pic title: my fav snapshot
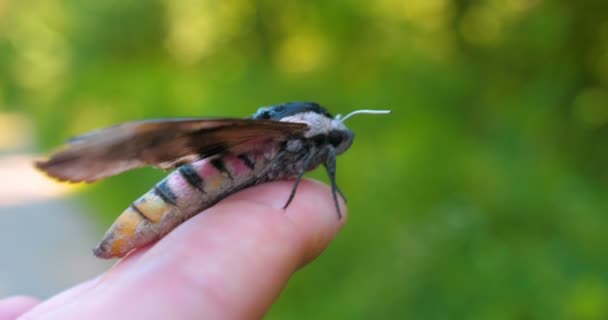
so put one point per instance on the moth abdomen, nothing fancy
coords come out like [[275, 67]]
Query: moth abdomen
[[144, 221], [183, 193], [132, 228]]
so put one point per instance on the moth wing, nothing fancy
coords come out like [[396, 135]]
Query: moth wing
[[161, 143]]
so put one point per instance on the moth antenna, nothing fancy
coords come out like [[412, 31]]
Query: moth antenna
[[363, 111]]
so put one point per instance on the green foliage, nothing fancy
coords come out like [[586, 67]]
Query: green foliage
[[483, 196]]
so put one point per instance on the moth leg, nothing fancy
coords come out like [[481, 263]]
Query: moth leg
[[341, 194], [295, 185], [293, 190], [330, 166]]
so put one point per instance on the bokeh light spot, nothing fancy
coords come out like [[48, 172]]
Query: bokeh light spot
[[15, 132], [198, 27], [587, 300], [42, 53], [591, 107], [481, 26], [302, 53]]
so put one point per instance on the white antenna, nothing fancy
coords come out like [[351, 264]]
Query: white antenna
[[364, 111]]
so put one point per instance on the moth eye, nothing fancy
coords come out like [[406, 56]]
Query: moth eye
[[335, 138]]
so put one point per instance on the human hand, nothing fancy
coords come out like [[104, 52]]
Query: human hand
[[230, 262]]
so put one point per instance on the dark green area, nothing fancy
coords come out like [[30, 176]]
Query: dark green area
[[483, 196]]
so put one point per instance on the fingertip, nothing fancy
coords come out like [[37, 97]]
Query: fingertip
[[313, 211]]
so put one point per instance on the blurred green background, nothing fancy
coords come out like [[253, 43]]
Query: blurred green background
[[484, 194]]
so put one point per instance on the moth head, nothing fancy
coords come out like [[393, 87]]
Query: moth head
[[341, 138], [323, 127]]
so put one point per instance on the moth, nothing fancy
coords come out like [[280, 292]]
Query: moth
[[212, 158]]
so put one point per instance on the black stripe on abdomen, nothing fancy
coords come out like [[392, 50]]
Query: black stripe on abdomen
[[218, 163], [164, 192], [139, 212], [189, 174], [247, 161]]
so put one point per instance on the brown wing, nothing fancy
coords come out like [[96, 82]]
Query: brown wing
[[162, 143]]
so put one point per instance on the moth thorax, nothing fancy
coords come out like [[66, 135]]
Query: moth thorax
[[317, 123]]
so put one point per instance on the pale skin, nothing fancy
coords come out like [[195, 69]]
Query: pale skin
[[230, 262]]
